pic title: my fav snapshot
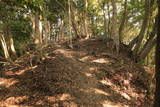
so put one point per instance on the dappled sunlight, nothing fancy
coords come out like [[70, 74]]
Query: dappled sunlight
[[101, 61], [126, 96], [98, 91], [111, 104], [117, 89], [13, 105], [86, 58], [59, 51], [89, 74], [49, 57], [8, 82], [21, 71], [39, 102], [65, 96], [106, 82], [133, 94], [93, 69], [66, 53], [88, 90], [95, 60], [72, 78], [14, 101], [50, 98], [127, 92]]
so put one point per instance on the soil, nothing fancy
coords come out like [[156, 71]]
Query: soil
[[89, 75]]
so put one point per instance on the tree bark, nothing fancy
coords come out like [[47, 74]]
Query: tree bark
[[86, 20], [144, 27], [74, 22], [70, 27], [4, 46], [61, 29], [149, 44], [46, 33], [132, 43], [122, 25], [115, 34], [109, 20], [9, 40], [37, 30], [148, 47], [37, 35], [105, 20], [157, 74]]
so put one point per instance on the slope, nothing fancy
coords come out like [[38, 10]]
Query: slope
[[89, 75]]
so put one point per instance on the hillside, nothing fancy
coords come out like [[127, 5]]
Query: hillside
[[89, 75]]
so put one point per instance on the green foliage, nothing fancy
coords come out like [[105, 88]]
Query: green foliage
[[21, 31], [17, 15]]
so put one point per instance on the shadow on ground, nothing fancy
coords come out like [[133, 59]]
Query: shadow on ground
[[87, 76]]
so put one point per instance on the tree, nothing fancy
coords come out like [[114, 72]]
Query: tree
[[85, 19], [123, 22], [115, 34], [150, 43], [157, 74], [52, 20], [70, 27], [4, 46], [144, 27]]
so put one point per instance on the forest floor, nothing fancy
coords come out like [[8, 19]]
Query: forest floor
[[89, 75]]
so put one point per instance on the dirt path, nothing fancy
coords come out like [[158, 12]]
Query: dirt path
[[90, 75]]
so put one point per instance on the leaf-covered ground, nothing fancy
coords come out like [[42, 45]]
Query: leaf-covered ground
[[89, 75]]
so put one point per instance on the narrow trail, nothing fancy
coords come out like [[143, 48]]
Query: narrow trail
[[89, 75]]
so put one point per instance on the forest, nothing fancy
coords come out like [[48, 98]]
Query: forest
[[79, 53]]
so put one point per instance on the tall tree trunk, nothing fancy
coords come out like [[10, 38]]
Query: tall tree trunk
[[10, 42], [105, 20], [144, 27], [122, 25], [86, 20], [157, 74], [61, 29], [4, 46], [136, 39], [115, 34], [33, 26], [37, 30], [149, 44], [46, 33], [74, 22], [70, 27], [148, 47], [109, 19]]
